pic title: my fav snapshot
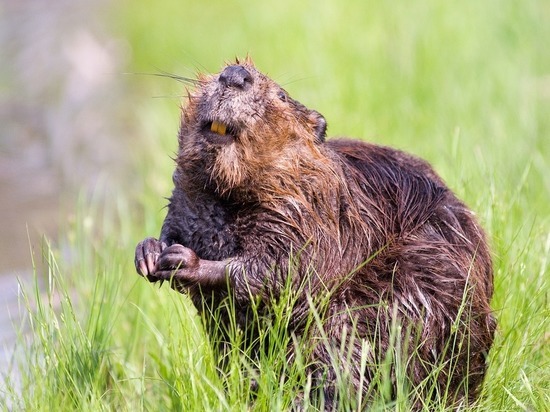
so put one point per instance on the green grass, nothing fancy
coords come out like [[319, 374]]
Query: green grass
[[463, 85]]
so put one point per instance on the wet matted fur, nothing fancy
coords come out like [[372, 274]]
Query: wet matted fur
[[378, 234]]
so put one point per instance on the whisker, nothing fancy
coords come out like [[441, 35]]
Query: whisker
[[181, 79]]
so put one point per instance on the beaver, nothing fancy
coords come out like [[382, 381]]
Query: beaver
[[376, 231]]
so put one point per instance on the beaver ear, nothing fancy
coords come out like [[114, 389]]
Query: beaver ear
[[320, 127]]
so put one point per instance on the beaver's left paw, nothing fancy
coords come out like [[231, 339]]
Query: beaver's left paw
[[178, 264]]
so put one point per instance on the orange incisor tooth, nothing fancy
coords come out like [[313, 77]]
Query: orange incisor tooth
[[218, 127]]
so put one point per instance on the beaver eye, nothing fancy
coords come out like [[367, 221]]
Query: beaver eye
[[281, 95]]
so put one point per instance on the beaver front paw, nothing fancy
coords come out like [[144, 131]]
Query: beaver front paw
[[147, 255], [180, 265]]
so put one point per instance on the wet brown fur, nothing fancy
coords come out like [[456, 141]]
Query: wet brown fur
[[378, 233]]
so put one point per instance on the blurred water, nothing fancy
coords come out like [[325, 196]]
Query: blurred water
[[62, 126]]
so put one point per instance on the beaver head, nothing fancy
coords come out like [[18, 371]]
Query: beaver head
[[240, 129]]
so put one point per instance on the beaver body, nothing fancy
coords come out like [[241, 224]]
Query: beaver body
[[376, 230]]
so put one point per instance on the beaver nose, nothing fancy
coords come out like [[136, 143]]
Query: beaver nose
[[236, 76]]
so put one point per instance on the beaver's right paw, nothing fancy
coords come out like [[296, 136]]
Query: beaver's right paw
[[147, 256]]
